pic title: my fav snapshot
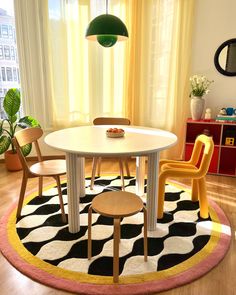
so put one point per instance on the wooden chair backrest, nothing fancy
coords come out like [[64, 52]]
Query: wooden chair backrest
[[111, 121], [26, 136]]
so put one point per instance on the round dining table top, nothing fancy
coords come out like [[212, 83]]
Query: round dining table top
[[93, 141]]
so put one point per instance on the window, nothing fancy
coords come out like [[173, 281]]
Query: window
[[10, 32], [14, 35], [14, 74], [12, 53], [9, 73], [3, 73], [5, 31], [1, 52], [7, 52]]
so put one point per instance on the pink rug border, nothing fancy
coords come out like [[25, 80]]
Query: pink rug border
[[149, 287]]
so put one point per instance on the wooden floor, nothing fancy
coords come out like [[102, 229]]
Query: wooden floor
[[219, 281]]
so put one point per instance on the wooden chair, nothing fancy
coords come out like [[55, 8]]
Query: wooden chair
[[50, 168], [97, 160], [196, 169], [116, 205]]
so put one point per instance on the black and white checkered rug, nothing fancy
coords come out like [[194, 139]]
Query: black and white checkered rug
[[178, 237]]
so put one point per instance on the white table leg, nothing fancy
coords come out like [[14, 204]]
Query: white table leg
[[152, 190], [75, 189], [140, 175]]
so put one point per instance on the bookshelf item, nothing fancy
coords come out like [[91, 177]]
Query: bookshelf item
[[224, 136], [226, 118]]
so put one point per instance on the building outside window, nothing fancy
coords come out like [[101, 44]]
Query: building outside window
[[9, 67]]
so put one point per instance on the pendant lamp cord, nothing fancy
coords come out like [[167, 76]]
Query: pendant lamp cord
[[106, 6]]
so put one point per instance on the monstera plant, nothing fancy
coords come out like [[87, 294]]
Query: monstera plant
[[9, 125]]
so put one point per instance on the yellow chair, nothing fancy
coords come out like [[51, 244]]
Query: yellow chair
[[196, 169], [97, 160]]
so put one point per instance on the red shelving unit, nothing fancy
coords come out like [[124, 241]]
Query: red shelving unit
[[224, 157]]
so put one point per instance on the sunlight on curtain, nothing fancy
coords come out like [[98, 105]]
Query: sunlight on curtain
[[158, 69], [31, 31], [87, 80], [69, 80]]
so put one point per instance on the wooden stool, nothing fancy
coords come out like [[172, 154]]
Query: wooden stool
[[117, 205]]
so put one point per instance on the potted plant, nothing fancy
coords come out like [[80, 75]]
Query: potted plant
[[8, 127]]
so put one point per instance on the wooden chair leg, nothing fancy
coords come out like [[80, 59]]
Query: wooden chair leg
[[119, 234], [145, 244], [99, 166], [195, 191], [61, 199], [122, 175], [161, 196], [116, 250], [40, 186], [90, 233], [22, 194], [127, 167], [94, 168], [203, 202]]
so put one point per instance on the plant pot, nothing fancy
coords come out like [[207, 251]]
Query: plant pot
[[197, 107], [12, 161]]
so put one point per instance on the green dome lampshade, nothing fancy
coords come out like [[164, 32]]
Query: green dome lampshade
[[106, 29]]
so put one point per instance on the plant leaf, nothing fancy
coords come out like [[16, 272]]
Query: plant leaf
[[11, 102], [26, 149], [13, 119], [28, 121], [1, 129], [5, 142]]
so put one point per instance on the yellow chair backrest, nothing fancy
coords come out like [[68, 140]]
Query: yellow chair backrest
[[207, 142]]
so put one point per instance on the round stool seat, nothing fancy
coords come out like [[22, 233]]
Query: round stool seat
[[117, 204]]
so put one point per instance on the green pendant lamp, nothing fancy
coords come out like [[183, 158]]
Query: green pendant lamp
[[107, 29]]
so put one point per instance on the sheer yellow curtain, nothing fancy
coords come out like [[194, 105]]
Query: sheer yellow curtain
[[31, 30], [158, 69], [87, 78], [67, 80]]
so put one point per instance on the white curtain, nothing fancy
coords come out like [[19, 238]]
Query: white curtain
[[31, 27]]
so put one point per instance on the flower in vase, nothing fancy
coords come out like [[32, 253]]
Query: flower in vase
[[199, 85]]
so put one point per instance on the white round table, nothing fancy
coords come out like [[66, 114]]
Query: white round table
[[90, 141]]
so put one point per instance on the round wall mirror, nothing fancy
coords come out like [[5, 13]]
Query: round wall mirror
[[225, 58]]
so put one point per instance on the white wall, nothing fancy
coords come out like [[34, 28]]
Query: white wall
[[215, 22]]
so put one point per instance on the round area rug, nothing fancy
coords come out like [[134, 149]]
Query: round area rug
[[181, 249]]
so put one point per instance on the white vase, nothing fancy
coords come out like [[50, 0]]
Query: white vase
[[197, 107]]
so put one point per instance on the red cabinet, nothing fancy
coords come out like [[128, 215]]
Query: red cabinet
[[224, 136]]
